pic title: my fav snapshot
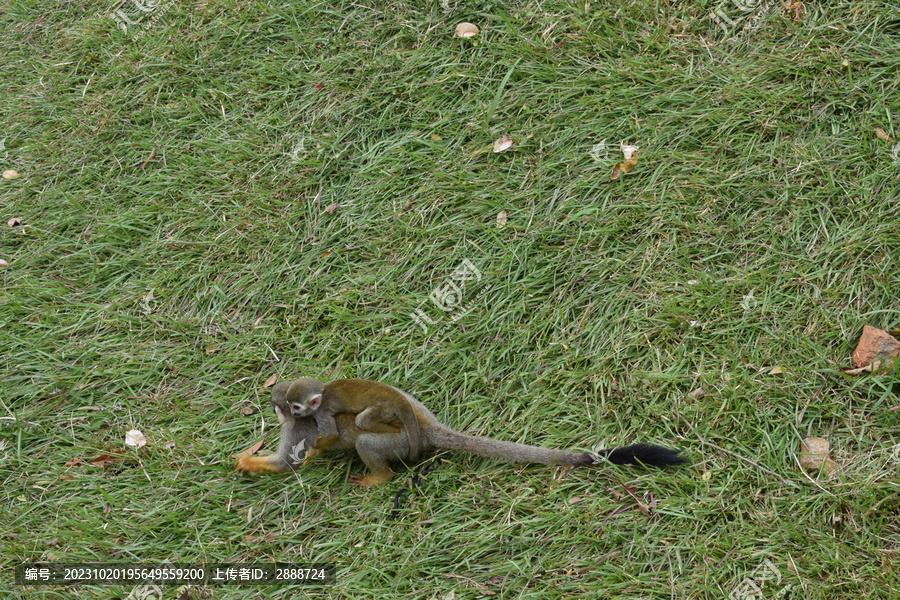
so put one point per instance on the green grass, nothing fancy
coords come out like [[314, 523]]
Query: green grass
[[759, 229]]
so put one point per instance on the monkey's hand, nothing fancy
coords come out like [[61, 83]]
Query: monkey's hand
[[325, 441], [311, 453]]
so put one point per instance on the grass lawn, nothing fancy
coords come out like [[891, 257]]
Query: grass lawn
[[216, 192]]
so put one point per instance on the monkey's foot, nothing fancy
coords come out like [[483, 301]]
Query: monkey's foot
[[368, 480], [311, 453], [256, 464]]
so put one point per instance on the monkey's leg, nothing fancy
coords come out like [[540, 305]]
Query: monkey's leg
[[377, 450], [263, 464], [385, 412], [374, 416], [328, 431]]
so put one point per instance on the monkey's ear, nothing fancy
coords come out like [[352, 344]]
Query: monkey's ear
[[315, 400], [280, 414]]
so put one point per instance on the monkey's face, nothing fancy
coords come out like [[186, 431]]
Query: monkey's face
[[279, 401], [307, 406]]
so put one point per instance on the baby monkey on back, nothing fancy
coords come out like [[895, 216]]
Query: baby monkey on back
[[384, 425]]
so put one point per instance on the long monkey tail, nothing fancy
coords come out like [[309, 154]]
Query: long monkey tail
[[648, 454]]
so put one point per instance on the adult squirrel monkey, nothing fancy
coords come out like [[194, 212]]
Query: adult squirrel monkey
[[383, 441], [375, 402]]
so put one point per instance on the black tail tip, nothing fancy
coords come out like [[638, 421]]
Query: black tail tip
[[646, 454]]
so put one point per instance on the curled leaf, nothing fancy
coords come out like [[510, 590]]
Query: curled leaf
[[882, 135], [466, 30], [628, 151], [502, 143], [501, 219], [135, 438]]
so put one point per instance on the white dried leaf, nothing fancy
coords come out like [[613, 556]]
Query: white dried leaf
[[502, 143], [501, 219], [628, 151], [466, 30], [135, 438], [10, 174]]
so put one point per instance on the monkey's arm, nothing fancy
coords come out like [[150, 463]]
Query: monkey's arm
[[328, 430], [298, 438]]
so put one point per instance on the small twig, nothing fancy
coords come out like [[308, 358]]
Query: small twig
[[149, 158]]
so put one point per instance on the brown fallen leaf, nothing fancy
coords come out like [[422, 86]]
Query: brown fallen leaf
[[104, 460], [882, 135], [272, 380], [247, 410], [813, 453], [73, 462], [330, 208], [615, 172], [875, 344], [629, 164], [249, 451]]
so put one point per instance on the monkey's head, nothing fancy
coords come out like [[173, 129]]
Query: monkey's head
[[297, 399]]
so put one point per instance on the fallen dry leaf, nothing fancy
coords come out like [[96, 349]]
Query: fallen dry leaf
[[14, 222], [249, 451], [10, 174], [813, 453], [436, 137], [502, 143], [629, 164], [501, 219], [873, 368], [73, 462], [631, 161], [3, 264], [272, 380], [466, 30], [331, 207], [882, 135], [103, 460], [247, 410], [135, 438], [875, 344]]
